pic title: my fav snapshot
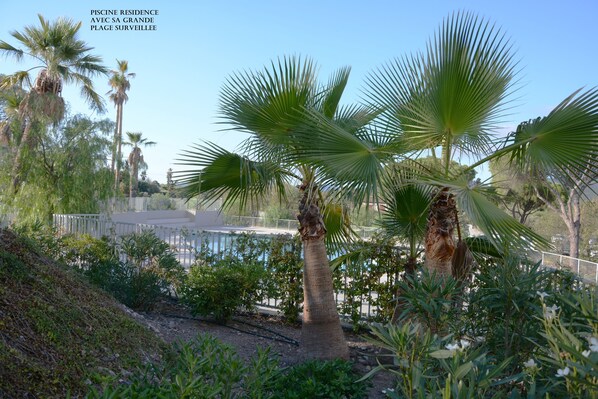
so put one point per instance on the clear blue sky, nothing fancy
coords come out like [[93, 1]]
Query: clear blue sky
[[182, 65]]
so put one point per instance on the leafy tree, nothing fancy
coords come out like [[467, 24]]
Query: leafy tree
[[67, 174], [518, 196], [271, 106], [120, 84], [148, 187], [135, 159], [62, 58]]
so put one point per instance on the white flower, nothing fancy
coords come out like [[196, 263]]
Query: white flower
[[586, 353], [562, 372], [530, 364], [542, 294], [465, 344], [452, 347], [550, 312], [594, 344]]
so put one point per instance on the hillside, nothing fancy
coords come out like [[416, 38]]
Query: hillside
[[58, 333]]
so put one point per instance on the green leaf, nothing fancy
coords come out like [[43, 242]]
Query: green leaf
[[463, 370], [442, 354]]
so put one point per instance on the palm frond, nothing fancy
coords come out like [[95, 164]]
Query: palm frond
[[10, 50], [217, 173], [500, 229], [334, 91], [269, 103], [338, 226], [563, 146], [454, 93], [405, 207], [350, 160]]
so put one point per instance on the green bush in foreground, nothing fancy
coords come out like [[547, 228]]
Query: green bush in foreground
[[206, 368], [317, 379]]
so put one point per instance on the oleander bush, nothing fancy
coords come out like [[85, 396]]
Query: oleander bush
[[206, 368], [518, 330]]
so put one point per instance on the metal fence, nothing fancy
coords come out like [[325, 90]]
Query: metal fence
[[585, 269], [287, 225], [184, 240], [187, 241]]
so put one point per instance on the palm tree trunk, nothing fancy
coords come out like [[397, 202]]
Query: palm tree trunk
[[119, 126], [17, 168], [115, 144], [322, 336], [439, 243], [133, 180]]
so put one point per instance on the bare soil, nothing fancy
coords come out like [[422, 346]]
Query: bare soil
[[246, 333]]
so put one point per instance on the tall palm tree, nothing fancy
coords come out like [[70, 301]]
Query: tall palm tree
[[62, 58], [135, 159], [446, 102], [271, 106], [120, 84]]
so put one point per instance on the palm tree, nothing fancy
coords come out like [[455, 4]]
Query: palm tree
[[446, 103], [119, 82], [62, 58], [10, 117], [271, 106], [135, 159]]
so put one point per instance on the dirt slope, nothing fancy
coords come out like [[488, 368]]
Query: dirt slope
[[58, 333]]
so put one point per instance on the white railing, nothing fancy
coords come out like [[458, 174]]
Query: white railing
[[186, 242], [585, 269], [287, 225], [98, 226]]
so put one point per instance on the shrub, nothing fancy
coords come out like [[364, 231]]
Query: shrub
[[285, 275], [150, 269], [159, 201], [221, 289], [367, 274], [567, 360], [201, 368], [320, 379], [207, 368], [278, 256], [505, 307], [148, 255], [430, 299]]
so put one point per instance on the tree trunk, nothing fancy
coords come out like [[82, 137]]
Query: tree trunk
[[439, 243], [27, 141], [119, 126], [115, 143], [574, 225], [570, 213], [133, 180], [322, 336]]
